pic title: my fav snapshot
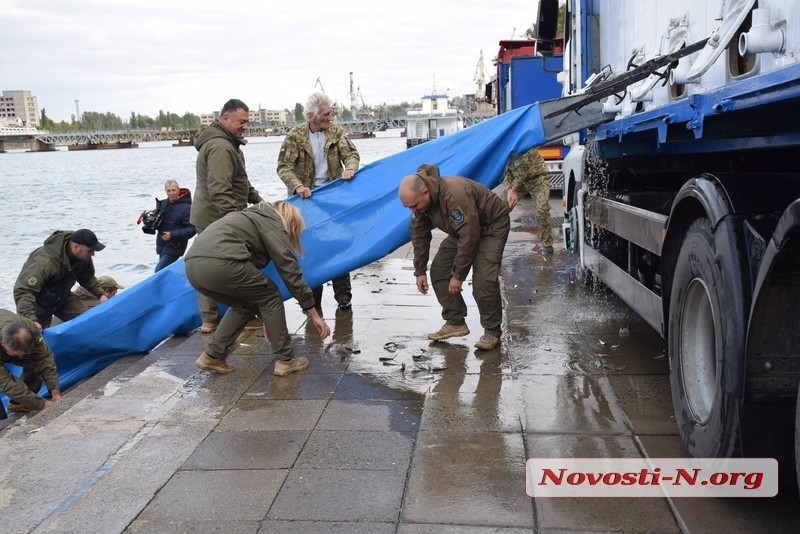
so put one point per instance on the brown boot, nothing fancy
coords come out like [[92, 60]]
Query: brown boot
[[449, 330], [217, 365], [208, 328], [19, 408], [284, 367], [487, 342]]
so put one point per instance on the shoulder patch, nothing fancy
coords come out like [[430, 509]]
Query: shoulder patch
[[457, 215], [33, 281], [350, 143]]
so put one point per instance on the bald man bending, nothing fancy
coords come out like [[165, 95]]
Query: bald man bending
[[477, 224]]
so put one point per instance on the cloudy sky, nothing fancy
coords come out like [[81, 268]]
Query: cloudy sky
[[142, 56]]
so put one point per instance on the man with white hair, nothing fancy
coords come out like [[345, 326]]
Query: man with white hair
[[313, 154]]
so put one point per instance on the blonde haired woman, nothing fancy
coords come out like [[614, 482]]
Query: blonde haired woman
[[225, 262]]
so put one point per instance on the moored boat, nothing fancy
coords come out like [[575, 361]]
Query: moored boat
[[361, 135], [435, 119], [10, 130], [82, 146], [118, 144]]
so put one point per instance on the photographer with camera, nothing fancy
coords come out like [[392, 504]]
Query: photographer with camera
[[174, 230]]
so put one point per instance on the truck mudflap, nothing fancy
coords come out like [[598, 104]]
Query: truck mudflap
[[770, 419], [773, 356]]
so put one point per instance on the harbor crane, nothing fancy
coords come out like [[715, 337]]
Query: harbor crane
[[353, 108], [364, 112], [355, 95], [480, 79]]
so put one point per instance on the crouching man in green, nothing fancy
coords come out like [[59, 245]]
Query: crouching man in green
[[21, 344], [225, 264]]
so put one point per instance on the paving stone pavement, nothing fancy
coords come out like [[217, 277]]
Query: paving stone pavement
[[385, 433]]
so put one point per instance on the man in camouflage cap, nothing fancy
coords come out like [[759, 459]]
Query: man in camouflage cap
[[528, 174], [315, 153], [109, 285]]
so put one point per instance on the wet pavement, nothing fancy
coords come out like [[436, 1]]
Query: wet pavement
[[385, 433]]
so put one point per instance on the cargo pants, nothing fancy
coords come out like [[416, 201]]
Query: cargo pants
[[538, 187], [247, 291], [70, 308], [209, 311], [342, 291], [485, 277]]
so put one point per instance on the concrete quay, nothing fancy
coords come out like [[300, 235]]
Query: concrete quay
[[431, 441]]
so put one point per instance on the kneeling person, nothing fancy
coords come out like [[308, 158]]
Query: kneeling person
[[109, 285], [225, 262], [21, 344]]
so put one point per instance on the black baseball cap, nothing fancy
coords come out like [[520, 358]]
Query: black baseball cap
[[86, 237]]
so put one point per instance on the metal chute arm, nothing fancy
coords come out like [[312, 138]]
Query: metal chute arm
[[614, 85]]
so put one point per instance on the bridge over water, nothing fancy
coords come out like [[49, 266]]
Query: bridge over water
[[43, 141]]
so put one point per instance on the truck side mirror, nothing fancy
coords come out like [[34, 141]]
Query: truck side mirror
[[547, 22]]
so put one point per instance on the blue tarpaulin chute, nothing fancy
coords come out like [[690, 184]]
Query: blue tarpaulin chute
[[349, 224]]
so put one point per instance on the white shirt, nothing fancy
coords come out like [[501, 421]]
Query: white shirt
[[320, 163]]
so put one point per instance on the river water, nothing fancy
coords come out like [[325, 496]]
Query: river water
[[106, 190]]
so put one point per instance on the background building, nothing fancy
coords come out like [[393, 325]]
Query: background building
[[20, 105], [272, 117]]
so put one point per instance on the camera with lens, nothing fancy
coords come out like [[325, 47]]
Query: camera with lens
[[151, 220]]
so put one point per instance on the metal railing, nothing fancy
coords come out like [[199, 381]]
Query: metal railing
[[80, 137]]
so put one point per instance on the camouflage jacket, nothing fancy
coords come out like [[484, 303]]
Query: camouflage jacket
[[40, 361], [525, 170], [296, 159]]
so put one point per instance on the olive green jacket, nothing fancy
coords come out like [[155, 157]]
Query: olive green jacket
[[41, 362], [222, 183], [296, 159], [48, 275], [255, 235]]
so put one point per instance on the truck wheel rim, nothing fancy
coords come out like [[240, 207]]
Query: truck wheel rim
[[698, 350]]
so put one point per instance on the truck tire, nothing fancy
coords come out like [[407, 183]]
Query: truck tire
[[703, 320]]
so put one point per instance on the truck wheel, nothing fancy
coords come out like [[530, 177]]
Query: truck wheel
[[702, 319]]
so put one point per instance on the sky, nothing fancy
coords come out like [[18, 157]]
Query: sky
[[179, 56]]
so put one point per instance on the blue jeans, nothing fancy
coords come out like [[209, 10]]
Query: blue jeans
[[164, 260]]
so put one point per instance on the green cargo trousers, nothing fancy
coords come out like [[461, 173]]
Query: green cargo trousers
[[209, 311], [247, 291], [485, 278], [539, 190], [69, 309]]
